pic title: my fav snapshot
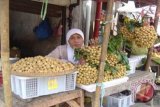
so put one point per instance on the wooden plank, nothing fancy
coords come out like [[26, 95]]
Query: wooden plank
[[80, 100], [46, 101], [50, 100], [4, 32], [63, 39], [35, 7], [104, 46], [72, 103]]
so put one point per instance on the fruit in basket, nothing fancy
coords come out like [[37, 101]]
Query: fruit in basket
[[40, 64], [86, 74]]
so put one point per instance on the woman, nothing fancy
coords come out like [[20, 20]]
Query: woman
[[74, 39]]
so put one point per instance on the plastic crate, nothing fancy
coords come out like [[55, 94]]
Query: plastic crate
[[119, 100], [132, 64], [30, 87]]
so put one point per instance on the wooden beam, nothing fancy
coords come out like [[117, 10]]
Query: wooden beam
[[35, 7], [57, 99], [104, 51], [72, 103], [63, 39], [4, 32]]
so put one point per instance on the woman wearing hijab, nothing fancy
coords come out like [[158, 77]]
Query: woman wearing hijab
[[74, 39]]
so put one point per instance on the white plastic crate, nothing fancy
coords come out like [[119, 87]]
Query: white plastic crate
[[132, 64], [119, 100], [138, 58], [30, 87]]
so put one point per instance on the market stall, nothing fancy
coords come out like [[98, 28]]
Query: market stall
[[53, 82], [91, 59], [98, 77]]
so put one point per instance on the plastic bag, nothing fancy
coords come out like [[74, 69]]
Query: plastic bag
[[43, 30]]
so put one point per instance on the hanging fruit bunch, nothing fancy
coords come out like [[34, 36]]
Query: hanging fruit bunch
[[143, 36], [127, 34]]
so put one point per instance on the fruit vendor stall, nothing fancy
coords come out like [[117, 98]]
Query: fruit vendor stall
[[32, 84], [109, 57], [115, 63]]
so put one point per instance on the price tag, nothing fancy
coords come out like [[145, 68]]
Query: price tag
[[52, 84]]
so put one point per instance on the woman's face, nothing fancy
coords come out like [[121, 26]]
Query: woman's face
[[76, 41]]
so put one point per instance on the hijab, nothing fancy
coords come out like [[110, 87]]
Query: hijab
[[70, 50]]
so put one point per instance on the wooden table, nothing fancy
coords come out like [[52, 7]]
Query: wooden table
[[134, 79], [73, 98], [55, 99]]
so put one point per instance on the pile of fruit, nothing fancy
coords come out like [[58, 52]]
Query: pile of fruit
[[114, 67], [86, 74], [143, 36], [127, 34], [40, 64]]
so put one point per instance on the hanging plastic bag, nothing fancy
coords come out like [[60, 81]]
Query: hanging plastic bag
[[44, 29]]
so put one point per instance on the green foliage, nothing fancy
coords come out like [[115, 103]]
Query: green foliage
[[124, 60], [132, 23], [110, 68], [79, 53], [115, 43]]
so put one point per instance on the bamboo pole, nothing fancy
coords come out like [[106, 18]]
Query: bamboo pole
[[148, 61], [97, 19], [103, 51], [4, 32], [157, 15]]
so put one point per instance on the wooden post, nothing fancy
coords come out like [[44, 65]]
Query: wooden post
[[148, 61], [104, 51], [4, 32]]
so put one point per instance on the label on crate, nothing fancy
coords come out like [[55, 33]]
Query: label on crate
[[52, 84]]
